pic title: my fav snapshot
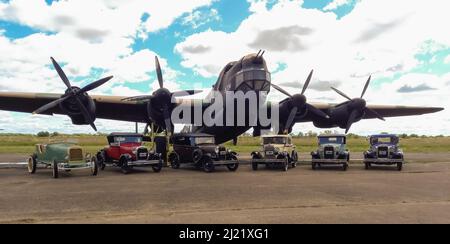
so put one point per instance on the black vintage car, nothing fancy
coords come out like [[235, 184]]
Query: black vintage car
[[201, 150]]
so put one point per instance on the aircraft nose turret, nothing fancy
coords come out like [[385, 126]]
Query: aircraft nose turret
[[253, 75]]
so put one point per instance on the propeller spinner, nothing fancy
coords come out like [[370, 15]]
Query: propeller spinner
[[74, 93], [161, 99], [358, 106], [299, 103]]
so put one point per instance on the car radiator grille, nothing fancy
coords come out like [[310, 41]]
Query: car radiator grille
[[141, 152], [76, 154], [328, 153], [383, 152]]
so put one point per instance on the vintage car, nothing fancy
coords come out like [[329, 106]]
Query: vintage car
[[126, 151], [201, 150], [384, 150], [276, 150], [61, 156], [332, 151]]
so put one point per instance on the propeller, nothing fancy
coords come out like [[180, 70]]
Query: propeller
[[299, 103], [73, 93], [358, 106], [161, 99]]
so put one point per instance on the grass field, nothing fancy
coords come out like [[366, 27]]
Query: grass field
[[24, 144]]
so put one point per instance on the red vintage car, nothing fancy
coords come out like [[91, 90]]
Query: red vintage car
[[126, 150]]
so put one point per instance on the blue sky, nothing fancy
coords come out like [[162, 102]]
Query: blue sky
[[407, 59]]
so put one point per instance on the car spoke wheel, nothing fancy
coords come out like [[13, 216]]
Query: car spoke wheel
[[174, 161], [55, 170], [345, 167], [208, 165], [254, 164], [94, 166], [286, 165], [32, 165], [399, 166], [233, 167], [157, 168], [124, 166]]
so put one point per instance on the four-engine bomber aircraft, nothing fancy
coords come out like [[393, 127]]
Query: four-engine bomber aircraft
[[250, 74]]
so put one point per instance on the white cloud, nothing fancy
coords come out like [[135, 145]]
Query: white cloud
[[447, 60], [199, 18], [336, 4], [372, 39]]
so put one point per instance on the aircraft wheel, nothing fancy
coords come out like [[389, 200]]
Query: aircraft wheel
[[32, 164], [314, 166], [55, 170], [368, 166], [101, 161], [208, 165]]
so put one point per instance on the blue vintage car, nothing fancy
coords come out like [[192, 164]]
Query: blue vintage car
[[384, 150]]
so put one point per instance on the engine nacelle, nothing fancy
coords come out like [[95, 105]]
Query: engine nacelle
[[71, 108]]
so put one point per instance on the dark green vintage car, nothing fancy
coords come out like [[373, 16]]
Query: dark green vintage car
[[61, 157]]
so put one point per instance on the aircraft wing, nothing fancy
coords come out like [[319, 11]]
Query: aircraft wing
[[108, 107], [400, 111], [386, 111]]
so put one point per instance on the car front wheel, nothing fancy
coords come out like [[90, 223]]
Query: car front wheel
[[255, 164], [174, 161], [208, 165], [157, 168], [94, 166], [233, 167], [124, 165], [55, 170], [399, 166], [32, 164]]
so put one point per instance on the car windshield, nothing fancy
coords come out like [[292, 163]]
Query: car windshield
[[383, 140], [204, 140], [274, 140], [333, 140], [128, 139]]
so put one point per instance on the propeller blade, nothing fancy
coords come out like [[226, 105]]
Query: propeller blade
[[186, 93], [316, 111], [375, 113], [305, 86], [138, 99], [341, 93], [167, 120], [159, 73], [281, 90], [95, 84], [50, 105], [61, 73], [366, 86], [291, 118], [351, 120], [85, 113]]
